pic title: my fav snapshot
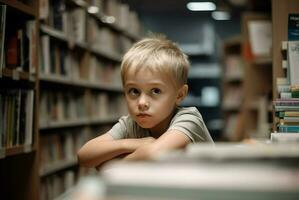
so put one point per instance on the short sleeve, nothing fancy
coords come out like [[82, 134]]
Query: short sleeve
[[189, 121], [127, 128], [119, 130]]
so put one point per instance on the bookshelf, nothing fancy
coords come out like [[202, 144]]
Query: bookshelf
[[232, 88], [256, 51], [280, 18], [80, 87], [19, 100]]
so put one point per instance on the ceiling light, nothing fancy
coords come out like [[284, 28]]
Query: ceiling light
[[221, 15], [201, 6], [93, 9], [108, 19]]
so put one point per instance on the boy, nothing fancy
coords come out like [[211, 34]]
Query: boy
[[154, 76]]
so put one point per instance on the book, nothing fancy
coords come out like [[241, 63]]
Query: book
[[288, 128], [13, 51], [44, 10], [260, 37], [2, 33], [293, 26], [28, 97], [282, 114], [293, 62], [223, 171], [287, 102], [284, 137], [32, 37], [46, 64]]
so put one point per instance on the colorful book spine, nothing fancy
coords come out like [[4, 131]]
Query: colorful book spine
[[288, 128]]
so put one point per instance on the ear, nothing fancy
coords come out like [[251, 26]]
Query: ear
[[182, 93]]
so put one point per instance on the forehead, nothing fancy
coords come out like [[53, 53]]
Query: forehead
[[148, 75]]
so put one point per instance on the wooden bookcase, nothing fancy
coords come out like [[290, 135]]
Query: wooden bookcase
[[80, 87], [258, 75], [232, 88], [280, 12], [19, 100]]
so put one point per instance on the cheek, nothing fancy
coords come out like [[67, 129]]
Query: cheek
[[166, 104], [131, 105]]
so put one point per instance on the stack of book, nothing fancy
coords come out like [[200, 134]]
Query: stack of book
[[287, 106], [287, 112], [224, 171]]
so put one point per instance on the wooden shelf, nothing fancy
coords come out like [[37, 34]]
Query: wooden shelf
[[63, 37], [101, 18], [233, 78], [234, 41], [232, 90], [79, 83], [20, 162], [17, 75], [79, 122], [231, 108], [72, 91], [264, 61], [15, 150], [57, 166], [20, 6]]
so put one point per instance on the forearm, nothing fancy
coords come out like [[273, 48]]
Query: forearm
[[94, 153], [167, 142]]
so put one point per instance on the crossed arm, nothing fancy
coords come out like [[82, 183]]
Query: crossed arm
[[104, 148]]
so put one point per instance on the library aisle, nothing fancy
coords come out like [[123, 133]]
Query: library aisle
[[60, 86]]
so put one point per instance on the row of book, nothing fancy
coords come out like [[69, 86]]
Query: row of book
[[233, 97], [287, 111], [59, 150], [63, 147], [17, 44], [67, 106], [56, 59], [124, 17], [287, 105], [64, 185], [72, 20], [16, 117], [234, 67], [55, 185], [101, 37]]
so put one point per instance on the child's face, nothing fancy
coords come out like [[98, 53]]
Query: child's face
[[151, 97]]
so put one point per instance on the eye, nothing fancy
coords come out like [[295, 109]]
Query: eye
[[156, 91], [133, 92]]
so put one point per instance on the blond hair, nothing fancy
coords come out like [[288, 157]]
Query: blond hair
[[157, 54]]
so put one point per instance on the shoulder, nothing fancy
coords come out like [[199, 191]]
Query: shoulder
[[189, 121], [187, 112], [126, 120], [126, 127]]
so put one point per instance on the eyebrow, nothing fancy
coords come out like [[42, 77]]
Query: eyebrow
[[153, 83]]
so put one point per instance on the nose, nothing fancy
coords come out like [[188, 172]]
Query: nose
[[143, 103]]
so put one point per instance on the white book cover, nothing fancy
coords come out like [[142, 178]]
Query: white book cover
[[260, 37], [46, 54], [29, 117], [284, 137], [293, 59]]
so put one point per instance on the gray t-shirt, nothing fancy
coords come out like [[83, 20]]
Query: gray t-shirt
[[186, 120]]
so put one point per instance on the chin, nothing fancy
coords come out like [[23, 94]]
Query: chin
[[144, 125]]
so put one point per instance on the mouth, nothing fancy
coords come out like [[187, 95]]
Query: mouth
[[143, 115]]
